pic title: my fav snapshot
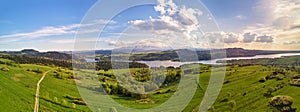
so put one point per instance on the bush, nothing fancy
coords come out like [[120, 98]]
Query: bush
[[296, 77], [262, 80], [232, 103], [55, 99], [73, 105], [37, 71], [226, 82], [212, 109], [63, 102], [228, 94], [150, 87], [147, 100], [47, 96], [279, 78], [113, 109], [282, 103], [79, 102], [224, 100], [295, 82], [4, 69]]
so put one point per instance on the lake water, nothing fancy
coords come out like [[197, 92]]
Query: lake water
[[214, 61]]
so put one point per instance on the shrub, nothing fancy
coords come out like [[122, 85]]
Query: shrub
[[269, 92], [279, 78], [295, 82], [107, 90], [64, 102], [147, 100], [225, 100], [140, 96], [282, 103], [150, 87], [4, 69], [228, 94], [271, 76], [113, 109], [69, 97], [47, 96], [79, 102], [226, 82], [232, 103], [73, 105], [262, 80], [37, 71], [296, 77], [212, 109], [55, 99]]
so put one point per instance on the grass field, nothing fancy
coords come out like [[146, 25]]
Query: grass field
[[17, 90], [241, 91], [247, 93]]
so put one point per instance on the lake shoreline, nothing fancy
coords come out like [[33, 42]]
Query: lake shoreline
[[168, 63]]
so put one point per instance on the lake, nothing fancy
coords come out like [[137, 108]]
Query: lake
[[214, 61]]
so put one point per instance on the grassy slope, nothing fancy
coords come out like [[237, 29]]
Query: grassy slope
[[18, 86], [247, 92], [17, 90]]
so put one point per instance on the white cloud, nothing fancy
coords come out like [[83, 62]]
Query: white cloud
[[230, 38], [280, 18], [265, 38], [234, 38], [46, 31], [136, 44], [273, 10], [241, 17], [225, 37], [291, 42], [249, 37], [213, 37], [280, 14], [56, 30], [172, 19], [64, 41], [115, 43]]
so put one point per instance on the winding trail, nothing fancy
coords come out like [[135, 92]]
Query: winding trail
[[36, 107]]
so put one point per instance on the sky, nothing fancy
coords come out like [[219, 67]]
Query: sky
[[60, 25]]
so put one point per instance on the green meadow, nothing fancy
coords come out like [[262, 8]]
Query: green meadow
[[245, 88]]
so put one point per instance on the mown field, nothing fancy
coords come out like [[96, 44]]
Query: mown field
[[246, 88]]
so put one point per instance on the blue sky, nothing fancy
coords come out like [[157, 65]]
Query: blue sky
[[29, 15], [52, 24]]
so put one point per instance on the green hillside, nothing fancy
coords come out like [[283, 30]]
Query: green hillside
[[246, 88], [18, 86]]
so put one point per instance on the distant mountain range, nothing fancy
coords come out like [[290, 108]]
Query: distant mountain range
[[150, 54], [35, 53], [240, 52], [203, 54]]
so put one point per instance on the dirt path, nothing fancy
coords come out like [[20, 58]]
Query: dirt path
[[36, 107]]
